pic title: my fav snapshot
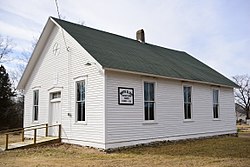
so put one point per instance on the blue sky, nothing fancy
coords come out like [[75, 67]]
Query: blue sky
[[217, 32]]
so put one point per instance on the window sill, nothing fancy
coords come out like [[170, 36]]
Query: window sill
[[216, 119], [35, 122], [55, 100], [188, 120], [149, 122], [81, 123]]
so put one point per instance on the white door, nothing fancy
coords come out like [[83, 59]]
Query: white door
[[54, 117]]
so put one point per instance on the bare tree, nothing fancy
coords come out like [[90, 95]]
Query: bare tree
[[6, 46], [23, 60], [242, 95]]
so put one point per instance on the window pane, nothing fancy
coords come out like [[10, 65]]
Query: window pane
[[187, 110], [56, 95], [146, 111], [80, 100], [215, 96], [187, 94], [215, 109], [35, 105], [187, 102], [80, 91], [81, 111], [149, 98], [35, 97], [77, 91], [35, 113], [151, 111], [146, 92], [151, 92], [216, 103]]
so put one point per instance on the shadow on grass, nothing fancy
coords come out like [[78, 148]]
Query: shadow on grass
[[222, 147]]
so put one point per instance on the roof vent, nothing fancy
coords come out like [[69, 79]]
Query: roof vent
[[140, 36]]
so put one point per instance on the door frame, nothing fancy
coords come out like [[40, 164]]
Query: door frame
[[52, 113], [54, 99]]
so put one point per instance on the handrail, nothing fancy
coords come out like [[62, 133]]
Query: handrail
[[35, 126], [19, 129], [30, 128], [10, 130], [43, 127]]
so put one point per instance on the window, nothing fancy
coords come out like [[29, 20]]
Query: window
[[35, 104], [216, 103], [187, 102], [55, 95], [80, 100], [149, 100]]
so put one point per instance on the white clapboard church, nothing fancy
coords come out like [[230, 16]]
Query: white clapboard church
[[110, 91]]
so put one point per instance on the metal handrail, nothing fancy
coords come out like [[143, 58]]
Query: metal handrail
[[30, 128]]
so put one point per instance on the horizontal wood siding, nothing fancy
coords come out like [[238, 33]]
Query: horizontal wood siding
[[67, 66], [125, 123]]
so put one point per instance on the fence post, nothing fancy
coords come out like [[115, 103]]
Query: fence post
[[46, 130], [35, 136], [59, 131], [22, 135], [7, 141]]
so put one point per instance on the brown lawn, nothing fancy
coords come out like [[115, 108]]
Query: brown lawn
[[223, 151]]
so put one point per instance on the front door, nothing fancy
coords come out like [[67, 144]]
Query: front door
[[55, 113]]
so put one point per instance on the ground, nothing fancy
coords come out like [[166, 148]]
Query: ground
[[220, 151]]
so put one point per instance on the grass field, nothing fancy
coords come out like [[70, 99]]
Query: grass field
[[12, 139], [223, 151]]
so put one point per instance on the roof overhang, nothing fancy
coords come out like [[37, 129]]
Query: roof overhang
[[171, 78]]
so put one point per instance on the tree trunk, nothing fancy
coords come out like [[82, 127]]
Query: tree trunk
[[248, 114]]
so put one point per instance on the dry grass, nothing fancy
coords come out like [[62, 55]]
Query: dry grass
[[244, 130], [12, 138], [244, 127], [224, 151]]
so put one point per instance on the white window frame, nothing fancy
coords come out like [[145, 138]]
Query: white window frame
[[187, 119], [216, 103], [155, 100], [57, 99], [76, 80], [35, 105]]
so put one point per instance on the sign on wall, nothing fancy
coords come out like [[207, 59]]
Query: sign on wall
[[125, 96]]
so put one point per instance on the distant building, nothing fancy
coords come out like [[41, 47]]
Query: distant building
[[240, 114]]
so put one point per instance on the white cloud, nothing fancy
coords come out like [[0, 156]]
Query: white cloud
[[17, 32], [205, 29]]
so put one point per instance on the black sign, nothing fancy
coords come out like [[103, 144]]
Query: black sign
[[125, 96]]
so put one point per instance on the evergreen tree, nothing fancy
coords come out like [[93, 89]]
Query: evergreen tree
[[6, 102]]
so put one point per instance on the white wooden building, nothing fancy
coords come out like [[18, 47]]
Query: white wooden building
[[109, 91]]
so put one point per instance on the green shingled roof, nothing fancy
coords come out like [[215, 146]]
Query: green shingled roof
[[117, 52]]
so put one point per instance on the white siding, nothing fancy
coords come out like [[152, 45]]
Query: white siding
[[68, 66], [125, 124], [107, 123]]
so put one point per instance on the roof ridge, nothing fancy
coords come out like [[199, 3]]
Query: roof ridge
[[110, 33]]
